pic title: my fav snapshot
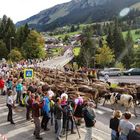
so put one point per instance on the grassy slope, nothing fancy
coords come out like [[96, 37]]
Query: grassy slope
[[135, 37], [69, 34], [76, 51], [136, 6]]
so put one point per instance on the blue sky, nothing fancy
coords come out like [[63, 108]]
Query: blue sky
[[21, 9]]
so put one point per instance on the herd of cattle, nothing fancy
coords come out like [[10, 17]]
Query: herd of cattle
[[126, 94]]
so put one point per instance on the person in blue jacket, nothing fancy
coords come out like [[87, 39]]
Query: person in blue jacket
[[46, 112]]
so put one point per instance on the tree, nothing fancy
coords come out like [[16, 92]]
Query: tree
[[118, 42], [72, 29], [7, 30], [34, 46], [3, 50], [15, 55], [137, 58], [87, 51], [22, 34], [109, 38], [104, 56], [129, 51]]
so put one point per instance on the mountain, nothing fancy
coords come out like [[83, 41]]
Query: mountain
[[77, 11]]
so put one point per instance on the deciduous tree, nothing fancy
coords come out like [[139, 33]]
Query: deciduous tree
[[104, 56]]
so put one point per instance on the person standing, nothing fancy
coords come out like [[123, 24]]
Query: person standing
[[28, 106], [1, 85], [19, 89], [78, 108], [36, 114], [125, 126], [10, 104], [89, 117], [134, 134], [114, 124], [59, 117], [46, 112]]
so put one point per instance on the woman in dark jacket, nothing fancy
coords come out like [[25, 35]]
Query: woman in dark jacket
[[114, 123]]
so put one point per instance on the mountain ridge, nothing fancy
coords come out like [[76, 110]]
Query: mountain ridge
[[76, 11]]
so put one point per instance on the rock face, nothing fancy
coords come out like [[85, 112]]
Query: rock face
[[76, 11]]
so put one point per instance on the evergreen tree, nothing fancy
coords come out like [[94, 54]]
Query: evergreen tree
[[22, 34], [72, 28], [118, 42], [109, 38], [7, 30], [137, 58], [87, 51], [129, 51], [3, 50]]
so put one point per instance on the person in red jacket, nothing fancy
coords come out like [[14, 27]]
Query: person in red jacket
[[1, 85]]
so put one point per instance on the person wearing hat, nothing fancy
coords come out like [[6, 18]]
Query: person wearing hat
[[89, 117]]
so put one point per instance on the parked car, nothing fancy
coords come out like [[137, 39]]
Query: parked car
[[132, 71], [111, 72]]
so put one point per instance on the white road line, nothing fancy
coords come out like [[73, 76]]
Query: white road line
[[105, 108], [101, 131], [99, 112], [96, 137]]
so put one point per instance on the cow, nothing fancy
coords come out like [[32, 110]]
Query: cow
[[123, 99]]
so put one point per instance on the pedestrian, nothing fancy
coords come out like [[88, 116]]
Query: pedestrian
[[69, 117], [106, 78], [59, 117], [19, 89], [36, 114], [1, 85], [125, 126], [134, 134], [64, 98], [46, 112], [28, 106], [89, 117], [114, 124], [78, 106], [10, 105]]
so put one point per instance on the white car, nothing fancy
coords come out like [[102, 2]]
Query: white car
[[111, 72]]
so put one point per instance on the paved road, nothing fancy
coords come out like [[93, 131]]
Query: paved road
[[23, 129], [128, 79], [58, 62]]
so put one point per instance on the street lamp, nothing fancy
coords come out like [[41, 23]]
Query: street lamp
[[11, 42], [11, 45]]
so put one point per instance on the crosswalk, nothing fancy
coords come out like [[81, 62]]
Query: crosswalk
[[102, 110]]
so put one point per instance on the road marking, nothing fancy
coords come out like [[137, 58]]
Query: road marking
[[99, 112], [93, 135], [105, 108], [101, 131]]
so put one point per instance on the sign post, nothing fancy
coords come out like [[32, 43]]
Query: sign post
[[28, 73]]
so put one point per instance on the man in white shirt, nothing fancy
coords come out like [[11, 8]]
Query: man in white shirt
[[10, 104]]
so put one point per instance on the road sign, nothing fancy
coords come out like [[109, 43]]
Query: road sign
[[28, 73]]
